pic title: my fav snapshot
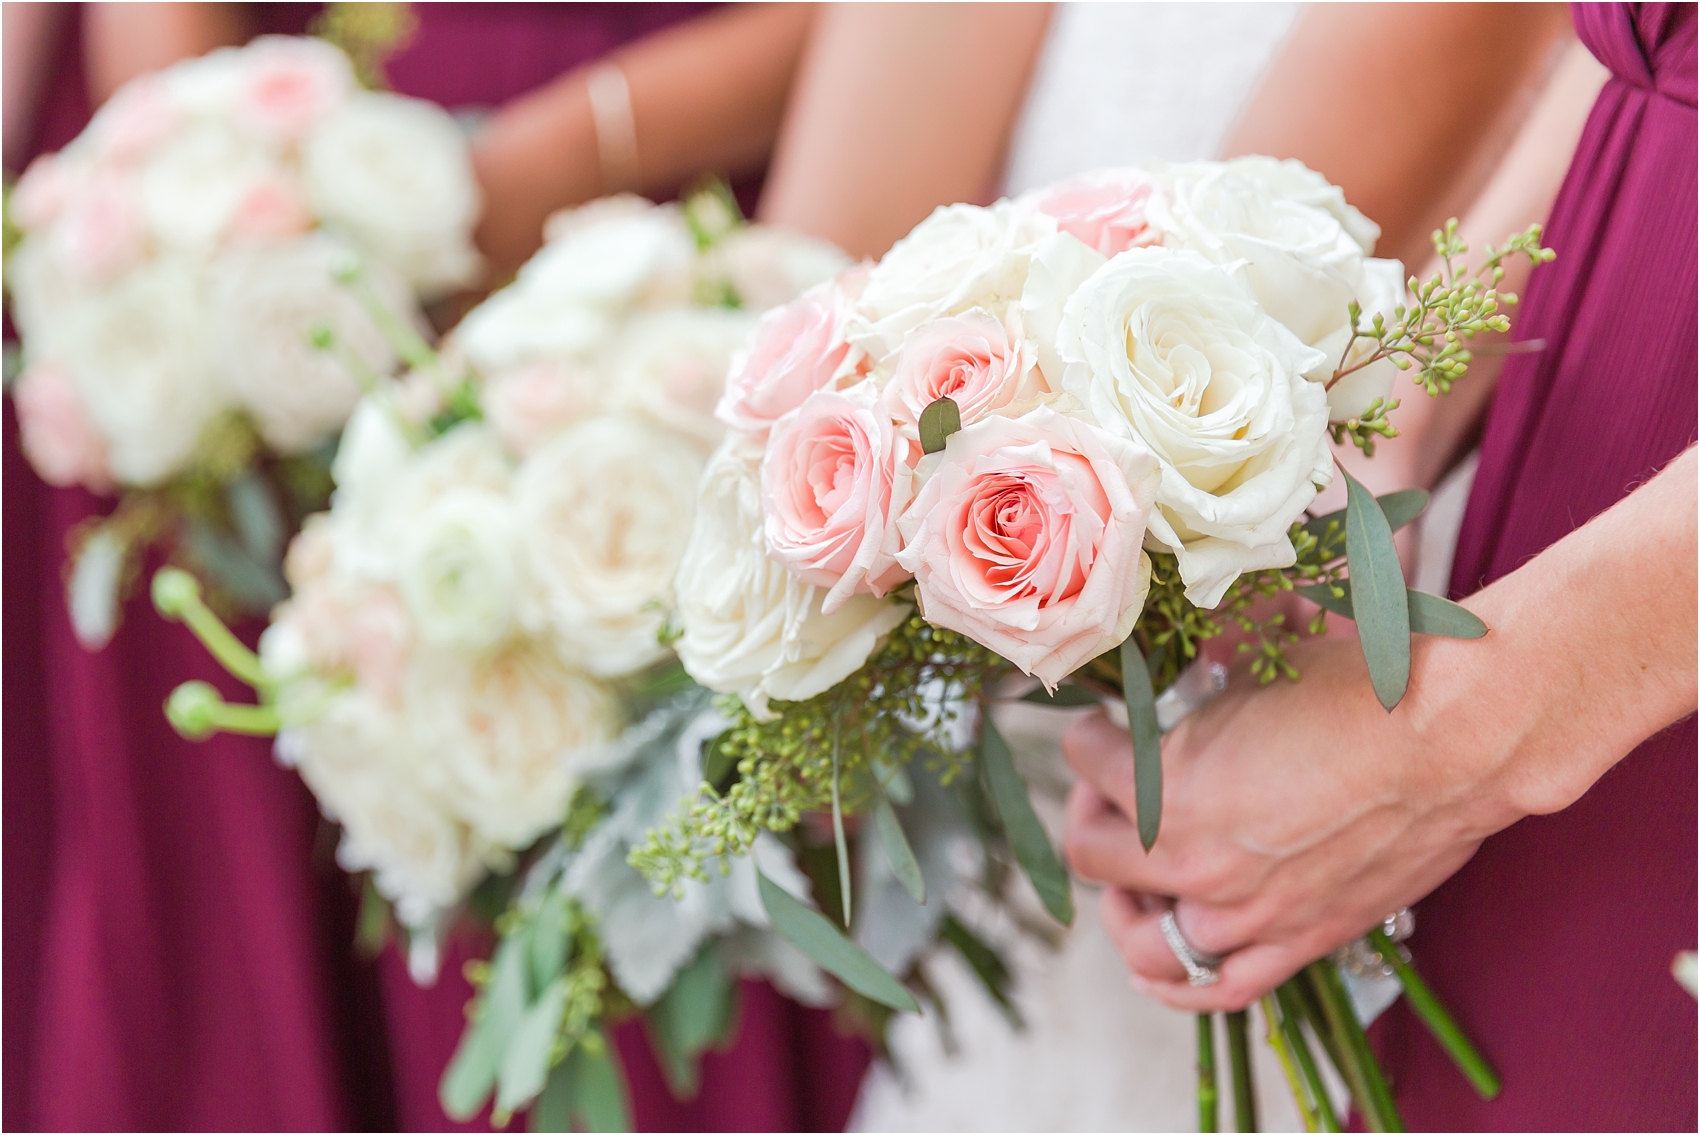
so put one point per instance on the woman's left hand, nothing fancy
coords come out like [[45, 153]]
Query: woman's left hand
[[1295, 818]]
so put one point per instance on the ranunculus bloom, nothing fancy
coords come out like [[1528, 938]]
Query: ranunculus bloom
[[1105, 211], [138, 117], [794, 351], [834, 479], [290, 83], [1026, 538], [56, 433], [973, 359]]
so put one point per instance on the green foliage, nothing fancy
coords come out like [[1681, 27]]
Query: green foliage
[[784, 765], [939, 420], [1147, 741], [368, 33], [1379, 604], [1366, 427], [1452, 307], [811, 932], [1027, 836]]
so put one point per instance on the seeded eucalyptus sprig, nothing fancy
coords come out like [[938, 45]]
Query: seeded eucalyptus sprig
[[1451, 308]]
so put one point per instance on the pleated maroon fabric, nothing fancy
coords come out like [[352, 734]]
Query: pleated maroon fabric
[[1553, 945], [178, 940]]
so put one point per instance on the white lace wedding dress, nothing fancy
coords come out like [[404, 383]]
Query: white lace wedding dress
[[1116, 83]]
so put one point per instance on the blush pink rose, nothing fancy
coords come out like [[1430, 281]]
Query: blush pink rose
[[290, 84], [269, 212], [1104, 211], [56, 434], [1026, 538], [834, 478], [101, 231], [140, 116], [973, 359], [379, 638], [794, 351], [42, 193], [530, 406]]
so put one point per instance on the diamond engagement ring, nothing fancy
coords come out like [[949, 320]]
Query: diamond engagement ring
[[1201, 968]]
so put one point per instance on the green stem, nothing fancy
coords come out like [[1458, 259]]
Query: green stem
[[177, 596], [1289, 1069], [1361, 1065], [1206, 1073], [1239, 1061], [1440, 1023], [1286, 998], [402, 338]]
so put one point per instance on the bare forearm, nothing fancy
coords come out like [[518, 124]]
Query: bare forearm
[[1591, 649], [1355, 93], [706, 96], [900, 108], [121, 41]]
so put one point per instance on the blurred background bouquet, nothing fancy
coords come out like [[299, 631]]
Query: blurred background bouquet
[[167, 271]]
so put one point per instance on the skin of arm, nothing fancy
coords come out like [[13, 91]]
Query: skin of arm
[[1409, 147], [1341, 812], [121, 41], [32, 37], [860, 162], [706, 95]]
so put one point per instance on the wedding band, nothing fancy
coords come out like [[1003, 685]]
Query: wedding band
[[1201, 968]]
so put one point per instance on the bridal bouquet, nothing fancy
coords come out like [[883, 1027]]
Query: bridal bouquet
[[469, 672], [171, 268], [1068, 437]]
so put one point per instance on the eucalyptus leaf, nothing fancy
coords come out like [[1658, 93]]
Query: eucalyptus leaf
[[553, 1110], [1021, 824], [809, 930], [939, 420], [1430, 614], [1400, 508], [525, 1065], [1065, 696], [693, 1015], [471, 1074], [838, 843], [548, 949], [987, 965], [1382, 612], [600, 1087], [898, 851], [1147, 738]]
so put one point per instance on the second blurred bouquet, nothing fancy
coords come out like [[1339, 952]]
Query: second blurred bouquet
[[171, 268], [470, 671]]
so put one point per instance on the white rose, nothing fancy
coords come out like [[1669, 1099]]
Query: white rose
[[394, 173], [769, 266], [1166, 348], [139, 356], [458, 570], [372, 451], [615, 254], [44, 298], [265, 302], [749, 627], [359, 761], [604, 510], [1300, 251], [1292, 179], [191, 187], [670, 366], [503, 730], [961, 256]]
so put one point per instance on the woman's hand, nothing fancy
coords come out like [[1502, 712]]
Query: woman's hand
[[1295, 818]]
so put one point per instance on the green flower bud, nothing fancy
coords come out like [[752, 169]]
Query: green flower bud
[[193, 707], [174, 592]]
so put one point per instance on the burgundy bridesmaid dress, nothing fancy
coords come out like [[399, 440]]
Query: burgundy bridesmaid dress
[[178, 940], [1553, 945]]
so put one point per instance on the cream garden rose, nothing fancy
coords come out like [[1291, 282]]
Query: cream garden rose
[[1026, 537], [394, 174], [266, 302], [1168, 349], [606, 509]]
